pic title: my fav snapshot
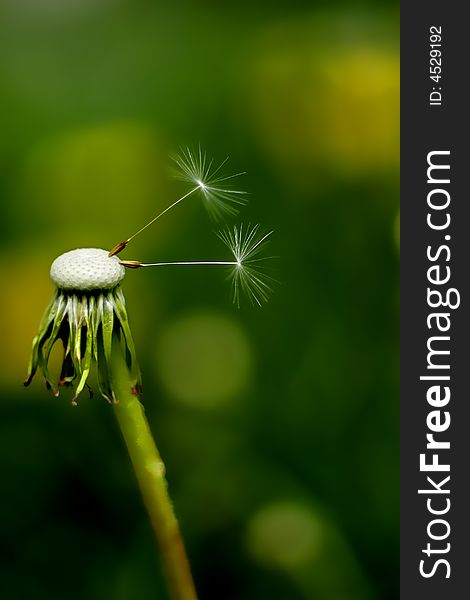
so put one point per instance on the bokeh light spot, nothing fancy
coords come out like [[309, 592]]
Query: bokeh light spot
[[321, 101], [204, 360], [284, 535]]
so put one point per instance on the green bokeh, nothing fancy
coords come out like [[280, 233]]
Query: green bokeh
[[283, 468]]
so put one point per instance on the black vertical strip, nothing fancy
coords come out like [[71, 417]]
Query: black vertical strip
[[424, 129]]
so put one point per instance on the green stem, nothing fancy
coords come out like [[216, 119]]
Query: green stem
[[150, 472]]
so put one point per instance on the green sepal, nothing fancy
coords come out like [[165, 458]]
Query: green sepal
[[87, 357], [44, 351], [94, 319], [72, 314], [97, 317], [107, 324], [46, 320], [103, 370], [131, 356]]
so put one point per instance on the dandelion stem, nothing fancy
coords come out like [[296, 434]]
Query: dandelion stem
[[150, 473]]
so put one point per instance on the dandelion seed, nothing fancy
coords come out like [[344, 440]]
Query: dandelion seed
[[195, 169], [247, 275]]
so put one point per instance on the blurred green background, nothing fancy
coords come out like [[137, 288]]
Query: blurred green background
[[279, 426]]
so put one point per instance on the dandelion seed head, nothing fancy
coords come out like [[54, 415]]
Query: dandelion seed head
[[86, 269], [219, 198]]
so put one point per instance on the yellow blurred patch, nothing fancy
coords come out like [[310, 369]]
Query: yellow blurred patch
[[26, 292], [320, 102]]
